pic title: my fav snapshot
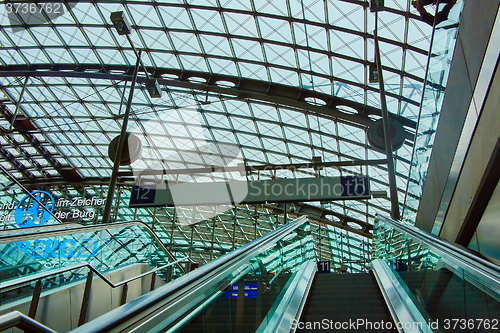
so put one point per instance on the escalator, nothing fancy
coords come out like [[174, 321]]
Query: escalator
[[417, 282], [454, 288], [196, 302], [452, 302], [244, 314], [338, 301]]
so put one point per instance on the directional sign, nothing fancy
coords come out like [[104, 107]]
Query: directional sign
[[251, 192], [250, 291], [323, 266], [145, 196]]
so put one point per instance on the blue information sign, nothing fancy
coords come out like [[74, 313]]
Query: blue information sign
[[250, 291], [143, 196], [323, 266], [354, 186]]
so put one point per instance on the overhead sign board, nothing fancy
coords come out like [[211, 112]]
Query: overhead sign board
[[251, 192]]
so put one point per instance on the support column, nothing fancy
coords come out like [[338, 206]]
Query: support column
[[121, 143], [86, 298], [255, 216], [234, 227], [191, 245], [172, 229], [154, 219], [213, 235], [35, 299], [319, 235], [387, 133], [284, 213], [118, 199]]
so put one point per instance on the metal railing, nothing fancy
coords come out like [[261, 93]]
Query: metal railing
[[32, 233], [5, 232], [19, 320], [170, 306], [402, 308], [19, 282], [88, 285]]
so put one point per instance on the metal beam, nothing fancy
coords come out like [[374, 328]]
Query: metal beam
[[387, 132], [121, 144], [252, 168], [320, 214], [243, 88], [291, 19], [18, 103]]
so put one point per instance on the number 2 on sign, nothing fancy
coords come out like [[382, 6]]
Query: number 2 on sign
[[144, 195]]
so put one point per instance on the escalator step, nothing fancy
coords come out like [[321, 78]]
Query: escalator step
[[346, 298]]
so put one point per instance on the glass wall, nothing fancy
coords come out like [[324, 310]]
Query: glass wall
[[438, 69]]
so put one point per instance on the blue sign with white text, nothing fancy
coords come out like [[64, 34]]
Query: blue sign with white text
[[355, 186], [250, 291]]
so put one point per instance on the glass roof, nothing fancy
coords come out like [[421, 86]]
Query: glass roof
[[72, 77]]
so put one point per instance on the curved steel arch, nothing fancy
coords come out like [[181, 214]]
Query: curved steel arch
[[273, 65], [243, 88]]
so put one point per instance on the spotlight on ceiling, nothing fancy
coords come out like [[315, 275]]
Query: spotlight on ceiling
[[121, 23], [131, 150], [317, 160], [379, 194], [373, 73], [154, 88], [376, 5]]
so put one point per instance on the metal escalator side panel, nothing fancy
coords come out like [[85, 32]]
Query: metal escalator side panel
[[290, 302], [404, 312], [163, 308], [462, 261]]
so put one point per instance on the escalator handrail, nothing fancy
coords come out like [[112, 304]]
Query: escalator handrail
[[22, 321], [40, 232], [16, 231], [31, 278], [462, 257], [402, 309], [293, 297], [211, 273]]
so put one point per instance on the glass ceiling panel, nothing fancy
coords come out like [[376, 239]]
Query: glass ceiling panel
[[320, 46]]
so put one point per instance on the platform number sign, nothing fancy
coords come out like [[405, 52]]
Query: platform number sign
[[324, 266], [142, 196]]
